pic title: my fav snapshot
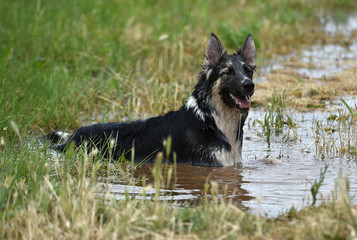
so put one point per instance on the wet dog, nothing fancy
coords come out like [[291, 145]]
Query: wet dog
[[207, 130]]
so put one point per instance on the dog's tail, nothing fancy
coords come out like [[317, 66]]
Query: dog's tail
[[58, 140], [59, 147]]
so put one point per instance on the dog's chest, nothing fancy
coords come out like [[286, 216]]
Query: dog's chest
[[230, 124]]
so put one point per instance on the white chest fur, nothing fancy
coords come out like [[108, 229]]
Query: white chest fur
[[229, 122]]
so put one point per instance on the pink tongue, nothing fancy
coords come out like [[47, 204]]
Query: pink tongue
[[242, 102]]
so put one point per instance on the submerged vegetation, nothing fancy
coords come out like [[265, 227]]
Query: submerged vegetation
[[65, 64]]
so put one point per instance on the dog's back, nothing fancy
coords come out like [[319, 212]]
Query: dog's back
[[192, 140]]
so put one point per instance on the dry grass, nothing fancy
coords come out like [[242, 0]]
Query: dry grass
[[303, 92], [71, 209]]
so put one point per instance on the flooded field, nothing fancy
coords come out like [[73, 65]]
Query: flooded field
[[280, 162], [277, 173]]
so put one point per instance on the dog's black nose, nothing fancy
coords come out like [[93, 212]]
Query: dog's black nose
[[248, 86]]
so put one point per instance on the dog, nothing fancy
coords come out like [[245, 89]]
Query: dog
[[207, 130]]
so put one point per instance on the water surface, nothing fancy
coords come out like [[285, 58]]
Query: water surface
[[262, 186]]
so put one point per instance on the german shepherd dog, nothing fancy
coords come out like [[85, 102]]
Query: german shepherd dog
[[207, 130]]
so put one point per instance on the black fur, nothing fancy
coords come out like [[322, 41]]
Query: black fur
[[193, 130]]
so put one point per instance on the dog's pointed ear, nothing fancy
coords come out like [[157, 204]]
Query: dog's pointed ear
[[248, 51], [213, 50]]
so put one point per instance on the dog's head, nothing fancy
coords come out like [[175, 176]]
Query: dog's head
[[230, 76]]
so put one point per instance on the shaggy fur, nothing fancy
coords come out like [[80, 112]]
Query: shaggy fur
[[207, 130]]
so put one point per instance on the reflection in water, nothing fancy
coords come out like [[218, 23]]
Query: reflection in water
[[195, 178], [188, 183]]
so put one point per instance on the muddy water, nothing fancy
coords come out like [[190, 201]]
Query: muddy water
[[189, 183], [261, 185], [275, 177]]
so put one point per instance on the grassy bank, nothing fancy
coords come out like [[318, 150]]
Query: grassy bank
[[67, 64]]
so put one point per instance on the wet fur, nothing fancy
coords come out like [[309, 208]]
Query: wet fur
[[207, 130]]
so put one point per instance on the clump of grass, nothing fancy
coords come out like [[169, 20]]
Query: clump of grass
[[337, 134], [276, 117]]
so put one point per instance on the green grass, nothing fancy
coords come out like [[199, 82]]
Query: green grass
[[276, 117], [59, 60], [64, 64]]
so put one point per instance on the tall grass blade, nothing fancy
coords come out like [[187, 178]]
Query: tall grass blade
[[348, 107]]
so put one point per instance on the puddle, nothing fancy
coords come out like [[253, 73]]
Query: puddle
[[320, 61], [343, 27], [258, 185], [121, 191], [315, 62], [189, 185], [288, 184], [327, 60]]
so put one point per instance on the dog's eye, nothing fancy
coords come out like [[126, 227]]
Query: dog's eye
[[230, 71], [248, 70]]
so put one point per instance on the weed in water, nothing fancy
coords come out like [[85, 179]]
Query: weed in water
[[317, 185], [276, 117], [337, 135]]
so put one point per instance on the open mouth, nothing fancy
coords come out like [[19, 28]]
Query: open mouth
[[241, 103]]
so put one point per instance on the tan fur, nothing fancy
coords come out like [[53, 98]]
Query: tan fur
[[228, 121]]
